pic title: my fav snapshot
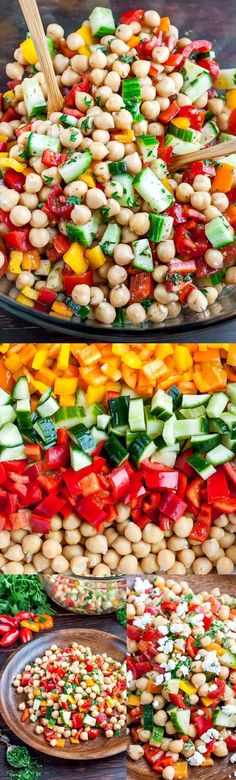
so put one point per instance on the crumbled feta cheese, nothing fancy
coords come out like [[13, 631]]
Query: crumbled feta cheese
[[211, 663], [182, 608], [213, 687], [184, 670], [143, 620], [159, 679], [229, 709], [129, 677], [209, 735], [141, 585], [177, 628], [207, 605], [196, 620], [202, 749], [196, 760], [165, 645], [233, 758], [171, 665], [167, 676], [163, 630]]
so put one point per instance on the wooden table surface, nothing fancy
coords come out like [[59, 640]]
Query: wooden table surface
[[113, 768], [214, 20]]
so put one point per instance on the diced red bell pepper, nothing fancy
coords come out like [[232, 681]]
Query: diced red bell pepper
[[10, 115], [182, 462], [181, 267], [227, 505], [131, 16], [120, 482], [2, 474], [217, 486], [231, 742], [177, 699], [232, 122], [71, 478], [32, 497], [47, 297], [73, 112], [134, 632], [89, 484], [165, 523], [145, 47], [169, 606], [202, 527], [15, 465], [83, 86], [202, 723], [182, 485], [166, 116], [14, 180], [230, 470], [195, 116], [152, 754], [71, 280], [212, 66], [50, 483], [18, 239], [165, 153], [207, 621], [19, 520], [77, 720], [190, 647], [33, 470], [199, 45], [57, 456], [161, 480], [172, 506], [40, 525], [193, 492], [50, 505], [141, 287], [220, 688], [90, 510], [33, 451], [52, 158]]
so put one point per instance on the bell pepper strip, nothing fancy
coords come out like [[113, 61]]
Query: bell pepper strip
[[14, 180], [166, 116], [131, 16], [212, 66], [202, 527], [202, 723], [231, 742], [227, 505], [191, 649], [141, 287], [172, 506], [18, 239], [217, 486]]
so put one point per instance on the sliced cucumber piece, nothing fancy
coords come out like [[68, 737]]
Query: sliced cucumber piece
[[209, 133], [142, 448], [129, 197], [84, 234], [188, 134], [102, 22], [82, 436], [184, 429], [159, 167], [10, 436], [12, 453], [154, 427], [75, 165], [222, 718], [176, 396], [147, 146], [21, 389], [229, 659], [110, 238], [190, 401], [103, 421], [37, 143], [79, 459], [142, 255], [114, 450], [48, 407], [7, 415], [219, 455], [217, 404], [219, 232], [180, 719], [162, 405], [33, 98], [231, 391], [153, 191], [168, 432], [67, 417], [206, 442], [160, 227], [5, 398], [136, 415], [180, 147]]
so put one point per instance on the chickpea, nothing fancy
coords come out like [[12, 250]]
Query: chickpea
[[128, 565], [134, 164], [31, 544], [200, 200], [165, 559], [216, 105], [160, 54], [20, 215], [166, 251], [220, 200], [211, 212], [220, 749], [79, 63], [55, 31], [140, 68], [39, 237], [201, 183], [81, 294], [29, 199], [150, 109], [60, 63], [225, 565], [157, 312], [116, 275], [38, 219], [162, 295], [33, 183], [168, 773], [123, 254], [95, 198], [78, 564], [230, 276], [8, 199], [119, 295], [136, 752], [81, 214], [14, 553], [202, 566], [197, 301], [98, 59], [13, 568], [184, 192], [136, 313], [183, 526], [214, 258], [23, 279]]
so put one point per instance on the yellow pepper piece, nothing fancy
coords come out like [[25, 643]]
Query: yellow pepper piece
[[74, 257], [64, 357], [133, 41], [31, 260], [29, 51], [111, 371], [15, 262], [231, 359], [133, 700], [40, 359], [66, 385], [3, 138], [163, 350], [182, 122], [119, 349], [215, 646], [182, 358], [30, 293], [25, 301], [3, 154], [187, 687], [131, 359], [60, 743], [9, 96], [208, 762], [95, 256], [206, 701], [125, 138], [13, 363], [88, 354], [84, 50], [231, 98], [167, 184], [86, 34], [30, 624], [95, 395], [221, 82], [66, 400], [4, 348], [88, 179], [11, 163]]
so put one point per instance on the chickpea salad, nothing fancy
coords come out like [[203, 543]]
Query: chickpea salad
[[181, 676], [79, 595], [131, 484], [94, 222], [73, 694]]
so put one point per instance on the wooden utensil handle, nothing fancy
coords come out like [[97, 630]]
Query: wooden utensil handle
[[33, 20], [208, 153]]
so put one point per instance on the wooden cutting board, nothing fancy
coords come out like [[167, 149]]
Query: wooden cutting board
[[99, 642], [222, 769]]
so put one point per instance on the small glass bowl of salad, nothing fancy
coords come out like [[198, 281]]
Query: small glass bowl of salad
[[86, 595]]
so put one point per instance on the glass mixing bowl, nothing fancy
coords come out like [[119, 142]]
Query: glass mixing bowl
[[86, 595], [214, 21]]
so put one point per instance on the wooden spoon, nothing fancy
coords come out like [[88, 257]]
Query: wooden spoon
[[208, 153], [34, 23]]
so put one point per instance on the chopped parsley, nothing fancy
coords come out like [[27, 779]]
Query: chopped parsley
[[48, 179], [86, 124], [87, 101], [74, 199]]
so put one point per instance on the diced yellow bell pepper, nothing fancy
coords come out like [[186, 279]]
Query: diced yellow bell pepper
[[86, 34], [64, 357], [65, 385], [206, 701], [221, 82], [13, 363], [10, 162], [60, 743], [30, 293], [111, 371], [25, 301], [95, 256], [3, 155], [133, 700], [9, 96], [66, 400], [125, 138], [15, 262], [133, 41], [88, 354], [131, 359], [208, 762], [40, 358], [3, 138], [31, 260], [231, 98], [74, 257], [88, 179], [181, 122], [182, 358], [215, 646], [167, 184], [187, 687], [95, 395], [163, 350], [84, 50], [231, 359], [4, 348], [119, 349], [29, 52]]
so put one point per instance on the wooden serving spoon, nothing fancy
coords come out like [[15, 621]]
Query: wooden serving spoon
[[208, 153], [34, 23]]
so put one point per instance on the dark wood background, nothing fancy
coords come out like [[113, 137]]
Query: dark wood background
[[113, 768], [211, 19]]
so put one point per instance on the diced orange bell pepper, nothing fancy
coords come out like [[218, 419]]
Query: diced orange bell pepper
[[181, 770], [224, 178]]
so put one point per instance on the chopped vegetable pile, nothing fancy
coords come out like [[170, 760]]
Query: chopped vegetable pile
[[22, 627], [101, 476], [79, 695], [94, 222], [181, 676]]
